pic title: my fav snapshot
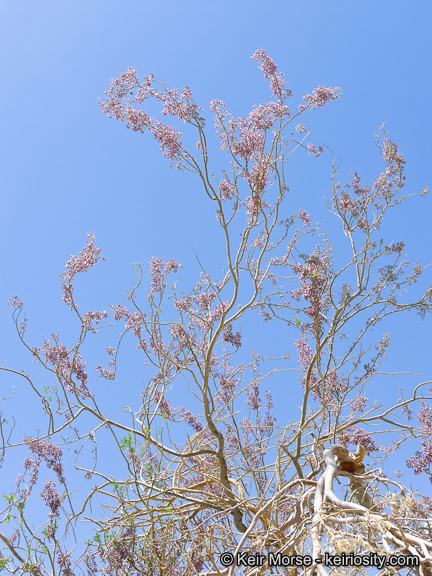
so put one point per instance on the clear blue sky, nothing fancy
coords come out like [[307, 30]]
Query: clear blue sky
[[65, 169]]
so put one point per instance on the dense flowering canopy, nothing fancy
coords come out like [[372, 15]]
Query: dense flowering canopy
[[196, 488]]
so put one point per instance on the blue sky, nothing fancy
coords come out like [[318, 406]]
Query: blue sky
[[65, 169]]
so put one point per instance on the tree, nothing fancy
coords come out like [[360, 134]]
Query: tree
[[219, 486]]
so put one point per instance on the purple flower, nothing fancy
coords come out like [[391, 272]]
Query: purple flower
[[49, 452], [52, 498]]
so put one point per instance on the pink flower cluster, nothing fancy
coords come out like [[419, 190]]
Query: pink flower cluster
[[67, 364], [119, 312], [106, 373], [163, 404], [87, 258], [355, 435], [305, 354], [382, 194], [315, 151], [169, 140], [118, 105], [159, 270], [417, 271], [230, 337], [93, 317], [33, 466], [191, 420], [257, 179], [15, 302], [18, 312], [227, 378], [206, 313], [319, 97], [49, 453], [314, 275], [328, 389], [304, 217], [253, 397], [422, 460], [277, 85], [227, 190], [64, 563], [245, 137], [358, 404], [52, 498]]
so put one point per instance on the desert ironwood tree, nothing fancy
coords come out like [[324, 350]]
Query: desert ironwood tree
[[223, 485]]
